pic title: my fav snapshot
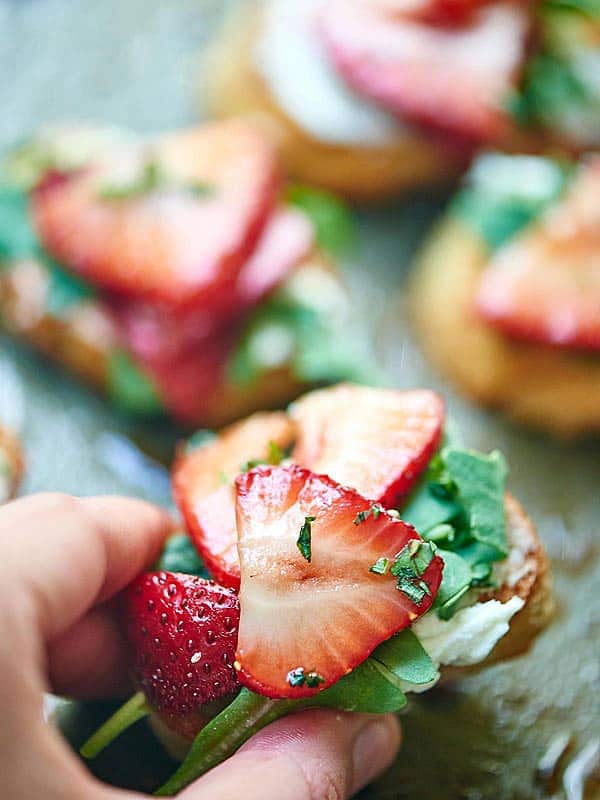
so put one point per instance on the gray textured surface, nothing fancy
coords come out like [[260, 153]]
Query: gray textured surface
[[133, 62]]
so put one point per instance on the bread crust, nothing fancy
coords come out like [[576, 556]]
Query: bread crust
[[548, 388], [12, 464], [82, 338], [233, 87]]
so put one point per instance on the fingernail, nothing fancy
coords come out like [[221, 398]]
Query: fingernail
[[374, 749]]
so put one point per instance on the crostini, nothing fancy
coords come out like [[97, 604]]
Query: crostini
[[369, 97], [360, 555], [506, 294], [11, 464], [179, 274]]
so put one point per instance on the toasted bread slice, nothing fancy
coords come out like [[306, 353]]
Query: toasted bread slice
[[361, 173], [524, 574], [11, 464], [82, 337], [549, 388]]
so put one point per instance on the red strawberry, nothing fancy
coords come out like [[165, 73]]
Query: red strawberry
[[545, 285], [168, 241], [434, 12], [203, 487], [183, 632], [452, 80], [311, 608], [377, 441]]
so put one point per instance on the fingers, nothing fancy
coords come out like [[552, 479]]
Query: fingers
[[78, 552], [315, 755], [62, 557]]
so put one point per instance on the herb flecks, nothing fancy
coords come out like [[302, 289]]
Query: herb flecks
[[410, 565], [380, 567], [152, 179], [304, 543], [299, 677], [374, 511], [274, 457]]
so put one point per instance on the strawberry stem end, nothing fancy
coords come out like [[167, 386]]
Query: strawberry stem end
[[129, 713]]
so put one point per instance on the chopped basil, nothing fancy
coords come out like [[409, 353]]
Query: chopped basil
[[129, 387], [374, 511], [179, 555], [274, 457], [304, 538], [298, 677], [380, 567], [152, 179], [333, 221], [409, 566]]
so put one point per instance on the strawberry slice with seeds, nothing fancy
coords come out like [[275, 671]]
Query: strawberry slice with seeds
[[312, 607], [377, 441], [182, 631], [204, 492], [545, 285], [172, 222], [453, 80]]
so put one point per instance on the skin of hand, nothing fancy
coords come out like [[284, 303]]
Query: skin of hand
[[64, 560]]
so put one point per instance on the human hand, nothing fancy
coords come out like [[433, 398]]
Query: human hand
[[64, 560]]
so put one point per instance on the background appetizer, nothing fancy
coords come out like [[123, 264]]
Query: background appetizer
[[11, 464], [506, 294], [360, 555], [371, 97], [179, 274]]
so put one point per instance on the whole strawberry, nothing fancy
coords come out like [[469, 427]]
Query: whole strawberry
[[183, 633]]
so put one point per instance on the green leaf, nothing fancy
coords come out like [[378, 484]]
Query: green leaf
[[129, 387], [17, 237], [427, 507], [368, 689], [64, 289], [505, 193], [406, 658], [332, 219], [199, 439], [224, 734], [456, 582], [481, 484], [180, 555]]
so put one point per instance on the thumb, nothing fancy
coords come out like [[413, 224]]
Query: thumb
[[314, 755]]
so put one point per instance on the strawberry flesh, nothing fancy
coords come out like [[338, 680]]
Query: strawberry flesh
[[183, 242], [451, 80], [323, 614], [377, 441], [204, 492], [544, 286], [182, 631]]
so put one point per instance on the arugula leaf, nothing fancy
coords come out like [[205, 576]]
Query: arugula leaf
[[129, 387], [481, 482], [405, 657], [457, 578], [17, 237], [505, 193], [428, 507], [332, 219], [180, 555]]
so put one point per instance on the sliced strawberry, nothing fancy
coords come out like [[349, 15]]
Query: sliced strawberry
[[452, 80], [159, 333], [203, 487], [182, 631], [181, 241], [309, 617], [377, 441], [435, 12], [545, 285]]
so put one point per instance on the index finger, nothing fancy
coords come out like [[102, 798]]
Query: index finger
[[64, 555]]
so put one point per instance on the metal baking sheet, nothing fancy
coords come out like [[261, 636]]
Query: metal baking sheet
[[136, 63]]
